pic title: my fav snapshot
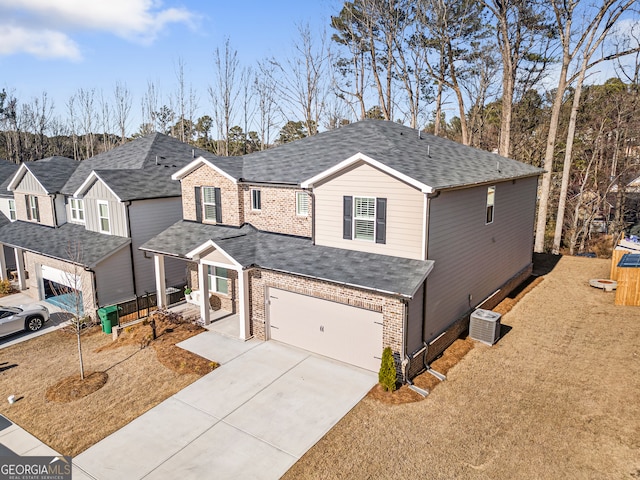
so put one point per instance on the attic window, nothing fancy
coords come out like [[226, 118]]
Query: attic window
[[491, 198]]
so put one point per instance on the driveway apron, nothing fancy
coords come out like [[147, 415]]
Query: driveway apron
[[253, 417]]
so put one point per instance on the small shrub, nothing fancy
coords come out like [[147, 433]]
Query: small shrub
[[5, 287], [387, 374]]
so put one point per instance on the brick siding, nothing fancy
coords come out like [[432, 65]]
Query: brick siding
[[278, 212], [45, 208], [205, 176], [218, 301]]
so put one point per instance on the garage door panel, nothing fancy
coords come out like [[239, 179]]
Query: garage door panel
[[346, 333], [67, 279]]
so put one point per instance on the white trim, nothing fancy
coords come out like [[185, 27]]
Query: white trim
[[251, 192], [184, 171], [93, 176], [77, 209], [9, 209], [208, 204], [306, 195], [108, 217], [15, 181], [214, 277], [492, 205], [425, 231], [366, 219], [211, 244], [374, 163]]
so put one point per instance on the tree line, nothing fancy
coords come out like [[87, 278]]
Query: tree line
[[515, 72]]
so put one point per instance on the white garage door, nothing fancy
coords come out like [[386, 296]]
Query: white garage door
[[59, 276], [349, 334]]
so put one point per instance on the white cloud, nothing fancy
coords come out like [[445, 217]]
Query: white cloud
[[42, 43], [47, 24]]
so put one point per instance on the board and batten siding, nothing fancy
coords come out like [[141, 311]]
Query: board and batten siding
[[149, 218], [113, 278], [29, 184], [405, 206], [117, 212], [473, 259]]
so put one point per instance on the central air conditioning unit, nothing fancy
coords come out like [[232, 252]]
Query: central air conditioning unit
[[484, 326]]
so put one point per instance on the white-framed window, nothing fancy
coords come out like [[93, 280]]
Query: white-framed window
[[218, 279], [77, 209], [104, 223], [491, 199], [302, 204], [364, 218], [33, 211], [209, 203], [12, 209], [256, 199]]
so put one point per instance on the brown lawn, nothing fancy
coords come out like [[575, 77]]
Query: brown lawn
[[557, 397], [139, 375]]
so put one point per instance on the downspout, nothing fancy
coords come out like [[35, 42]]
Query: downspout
[[425, 348], [133, 265], [313, 216], [55, 214], [95, 285]]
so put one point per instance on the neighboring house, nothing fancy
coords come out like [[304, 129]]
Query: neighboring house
[[79, 223], [355, 239], [7, 207]]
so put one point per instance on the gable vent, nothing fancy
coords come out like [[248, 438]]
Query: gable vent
[[484, 326]]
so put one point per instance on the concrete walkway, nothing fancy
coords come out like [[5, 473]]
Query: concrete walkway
[[253, 417]]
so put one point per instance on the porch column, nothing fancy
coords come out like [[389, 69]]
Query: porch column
[[203, 285], [22, 284], [3, 264], [243, 304], [161, 290]]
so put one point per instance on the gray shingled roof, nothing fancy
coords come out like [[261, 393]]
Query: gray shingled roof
[[157, 155], [431, 160], [52, 172], [55, 242], [250, 247], [7, 171]]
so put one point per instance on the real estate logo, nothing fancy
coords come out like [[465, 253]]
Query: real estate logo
[[16, 467]]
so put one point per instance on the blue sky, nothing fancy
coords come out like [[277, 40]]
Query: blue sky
[[59, 46]]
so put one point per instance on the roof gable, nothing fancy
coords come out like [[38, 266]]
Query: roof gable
[[149, 162], [425, 159], [50, 173]]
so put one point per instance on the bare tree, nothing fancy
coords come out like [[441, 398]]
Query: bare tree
[[122, 105], [598, 22], [300, 80], [264, 88], [224, 93], [69, 295]]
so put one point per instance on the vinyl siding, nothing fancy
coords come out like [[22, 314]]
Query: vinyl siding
[[61, 209], [148, 218], [414, 321], [404, 227], [29, 184], [216, 256], [117, 211], [473, 260], [113, 278]]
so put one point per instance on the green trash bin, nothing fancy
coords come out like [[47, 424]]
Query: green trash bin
[[108, 317]]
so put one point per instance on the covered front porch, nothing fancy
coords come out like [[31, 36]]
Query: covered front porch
[[224, 305], [223, 322]]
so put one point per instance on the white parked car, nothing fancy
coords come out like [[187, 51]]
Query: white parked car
[[30, 317]]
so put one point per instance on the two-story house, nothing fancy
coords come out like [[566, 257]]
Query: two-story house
[[8, 210], [79, 223], [355, 239]]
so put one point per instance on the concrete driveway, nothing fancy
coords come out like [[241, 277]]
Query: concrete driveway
[[253, 417], [57, 319]]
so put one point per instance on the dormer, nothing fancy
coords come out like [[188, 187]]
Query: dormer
[[36, 188]]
